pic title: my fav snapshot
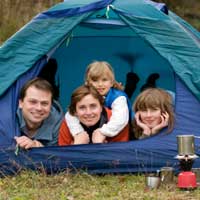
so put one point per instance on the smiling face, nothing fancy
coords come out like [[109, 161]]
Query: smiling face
[[35, 106], [102, 84], [151, 117], [100, 75], [88, 110]]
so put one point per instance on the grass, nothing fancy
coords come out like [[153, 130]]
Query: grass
[[82, 186]]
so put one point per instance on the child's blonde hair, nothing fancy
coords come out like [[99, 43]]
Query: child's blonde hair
[[153, 98], [97, 69]]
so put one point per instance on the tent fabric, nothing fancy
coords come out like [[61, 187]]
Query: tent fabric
[[158, 29], [9, 104], [64, 32], [94, 159], [77, 10], [143, 156]]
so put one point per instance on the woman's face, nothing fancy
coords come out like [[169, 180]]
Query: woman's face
[[88, 110], [151, 117]]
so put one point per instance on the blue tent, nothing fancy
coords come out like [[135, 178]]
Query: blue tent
[[132, 35]]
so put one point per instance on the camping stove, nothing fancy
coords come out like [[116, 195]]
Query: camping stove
[[186, 156], [186, 178]]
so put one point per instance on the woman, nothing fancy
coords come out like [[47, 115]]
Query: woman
[[87, 106], [153, 111]]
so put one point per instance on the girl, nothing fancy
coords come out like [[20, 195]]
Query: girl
[[100, 75], [153, 111]]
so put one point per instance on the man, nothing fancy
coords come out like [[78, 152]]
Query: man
[[39, 117]]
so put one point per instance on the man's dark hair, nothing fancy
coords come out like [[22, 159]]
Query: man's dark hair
[[39, 83]]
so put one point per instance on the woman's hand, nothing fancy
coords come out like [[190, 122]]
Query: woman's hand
[[81, 138], [163, 123], [145, 128], [98, 137]]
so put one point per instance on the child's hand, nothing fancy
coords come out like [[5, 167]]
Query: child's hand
[[82, 138], [163, 123], [145, 128], [98, 137]]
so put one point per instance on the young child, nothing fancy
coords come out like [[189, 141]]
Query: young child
[[153, 111], [100, 75]]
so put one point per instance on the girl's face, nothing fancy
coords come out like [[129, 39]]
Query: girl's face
[[151, 117], [102, 84], [88, 110]]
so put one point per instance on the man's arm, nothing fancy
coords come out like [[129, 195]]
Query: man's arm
[[27, 143]]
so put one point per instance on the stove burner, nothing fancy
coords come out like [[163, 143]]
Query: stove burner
[[186, 157], [186, 161], [186, 165]]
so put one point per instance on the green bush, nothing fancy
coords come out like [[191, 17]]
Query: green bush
[[15, 14]]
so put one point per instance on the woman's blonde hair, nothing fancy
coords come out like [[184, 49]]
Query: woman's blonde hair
[[97, 69], [154, 98]]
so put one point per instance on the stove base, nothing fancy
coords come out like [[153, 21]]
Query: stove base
[[187, 180]]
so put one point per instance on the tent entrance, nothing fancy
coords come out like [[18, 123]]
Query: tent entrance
[[116, 44]]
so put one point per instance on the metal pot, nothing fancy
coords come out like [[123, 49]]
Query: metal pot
[[185, 144], [152, 181], [167, 174], [197, 173]]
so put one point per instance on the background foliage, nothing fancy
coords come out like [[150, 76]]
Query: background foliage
[[16, 13], [187, 9]]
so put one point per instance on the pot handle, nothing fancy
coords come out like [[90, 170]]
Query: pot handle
[[158, 173]]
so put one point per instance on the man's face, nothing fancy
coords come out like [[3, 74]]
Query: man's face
[[35, 106], [88, 110]]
